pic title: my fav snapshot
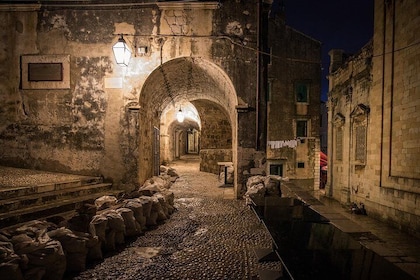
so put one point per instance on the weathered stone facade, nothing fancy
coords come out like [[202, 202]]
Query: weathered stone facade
[[98, 118], [293, 103], [350, 87], [374, 123]]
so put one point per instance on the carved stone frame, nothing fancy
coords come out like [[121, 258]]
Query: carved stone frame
[[64, 60], [338, 123], [359, 119]]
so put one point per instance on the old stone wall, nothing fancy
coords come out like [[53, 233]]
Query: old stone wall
[[295, 61], [374, 151], [395, 114], [70, 129], [216, 131], [101, 118], [349, 111], [102, 121], [210, 157]]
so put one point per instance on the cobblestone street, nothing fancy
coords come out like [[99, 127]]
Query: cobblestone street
[[210, 236]]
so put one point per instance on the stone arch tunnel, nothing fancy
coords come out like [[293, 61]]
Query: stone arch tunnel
[[206, 96]]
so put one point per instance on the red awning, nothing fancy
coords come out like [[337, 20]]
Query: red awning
[[323, 159]]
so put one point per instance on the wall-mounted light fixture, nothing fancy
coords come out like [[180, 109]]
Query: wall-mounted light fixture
[[122, 52], [180, 116], [142, 50], [243, 108]]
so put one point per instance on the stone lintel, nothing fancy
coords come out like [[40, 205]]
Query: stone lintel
[[182, 5]]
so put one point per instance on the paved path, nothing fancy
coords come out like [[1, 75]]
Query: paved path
[[210, 236]]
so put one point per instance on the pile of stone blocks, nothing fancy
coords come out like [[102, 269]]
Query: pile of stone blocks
[[259, 186], [50, 248]]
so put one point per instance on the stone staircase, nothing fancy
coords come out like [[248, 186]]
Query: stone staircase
[[52, 195]]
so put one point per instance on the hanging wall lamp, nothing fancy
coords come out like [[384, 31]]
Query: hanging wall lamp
[[180, 116], [122, 52]]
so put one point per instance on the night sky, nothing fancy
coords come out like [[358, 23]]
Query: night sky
[[337, 24]]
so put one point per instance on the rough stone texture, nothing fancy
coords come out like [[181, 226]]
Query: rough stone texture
[[284, 109], [216, 131], [379, 89], [350, 87], [105, 122], [173, 247], [210, 236], [210, 158]]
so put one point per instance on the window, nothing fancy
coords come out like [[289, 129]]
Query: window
[[301, 128], [301, 165], [276, 169], [269, 90], [302, 92], [359, 126], [268, 53], [339, 145], [338, 121], [360, 144]]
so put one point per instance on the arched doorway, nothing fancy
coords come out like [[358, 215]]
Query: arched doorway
[[174, 84], [179, 137]]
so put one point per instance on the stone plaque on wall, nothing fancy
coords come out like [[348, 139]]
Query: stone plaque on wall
[[45, 71]]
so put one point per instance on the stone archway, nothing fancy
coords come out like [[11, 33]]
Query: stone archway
[[174, 134], [177, 81]]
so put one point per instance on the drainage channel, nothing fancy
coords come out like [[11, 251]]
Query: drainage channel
[[312, 246]]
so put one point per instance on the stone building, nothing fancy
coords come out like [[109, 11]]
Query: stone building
[[374, 121], [293, 102], [323, 132], [246, 83]]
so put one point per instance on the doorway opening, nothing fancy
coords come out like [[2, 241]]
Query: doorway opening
[[206, 97]]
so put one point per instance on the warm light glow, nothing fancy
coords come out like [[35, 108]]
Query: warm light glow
[[121, 52], [142, 50], [180, 116]]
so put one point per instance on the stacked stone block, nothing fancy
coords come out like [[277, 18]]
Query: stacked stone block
[[49, 249]]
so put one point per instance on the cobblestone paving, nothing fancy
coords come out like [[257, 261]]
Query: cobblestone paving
[[210, 236]]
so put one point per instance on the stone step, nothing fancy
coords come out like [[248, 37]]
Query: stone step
[[53, 207], [45, 197], [19, 191]]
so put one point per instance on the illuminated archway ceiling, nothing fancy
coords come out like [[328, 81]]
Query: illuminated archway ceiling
[[186, 124], [187, 79]]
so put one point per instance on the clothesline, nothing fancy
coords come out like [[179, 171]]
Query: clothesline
[[283, 143]]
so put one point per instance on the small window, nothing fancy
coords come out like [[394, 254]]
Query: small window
[[276, 169], [268, 55], [359, 126], [301, 165], [302, 92], [269, 90], [301, 128]]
